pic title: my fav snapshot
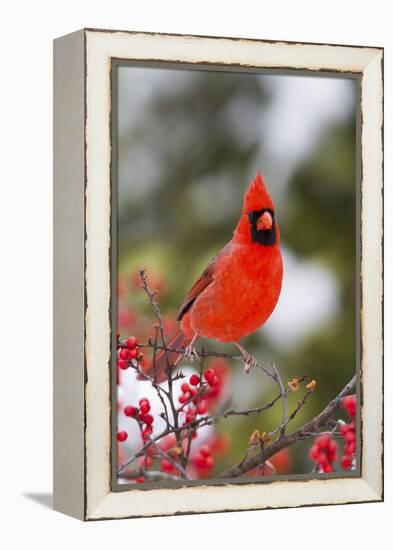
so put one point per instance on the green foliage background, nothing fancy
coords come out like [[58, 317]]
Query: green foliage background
[[201, 144]]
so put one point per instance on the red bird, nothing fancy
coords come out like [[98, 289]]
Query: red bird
[[239, 289]]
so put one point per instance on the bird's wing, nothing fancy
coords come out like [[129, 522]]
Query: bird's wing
[[202, 283]]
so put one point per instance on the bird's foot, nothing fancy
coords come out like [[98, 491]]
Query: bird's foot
[[249, 360], [190, 353], [250, 363]]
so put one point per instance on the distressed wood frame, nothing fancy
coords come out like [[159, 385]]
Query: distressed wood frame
[[82, 271]]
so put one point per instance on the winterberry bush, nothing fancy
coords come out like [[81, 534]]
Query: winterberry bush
[[167, 426]]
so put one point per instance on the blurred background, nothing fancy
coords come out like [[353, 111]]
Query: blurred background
[[189, 143]]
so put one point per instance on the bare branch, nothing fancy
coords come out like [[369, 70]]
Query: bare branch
[[300, 434], [283, 393]]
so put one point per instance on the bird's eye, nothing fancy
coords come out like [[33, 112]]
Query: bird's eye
[[265, 222]]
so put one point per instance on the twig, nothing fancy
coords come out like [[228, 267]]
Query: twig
[[206, 354], [142, 450], [151, 296], [154, 304], [277, 377], [235, 412], [300, 404]]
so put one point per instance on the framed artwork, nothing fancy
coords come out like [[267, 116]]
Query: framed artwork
[[218, 274]]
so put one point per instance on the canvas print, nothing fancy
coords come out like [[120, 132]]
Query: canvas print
[[236, 274]]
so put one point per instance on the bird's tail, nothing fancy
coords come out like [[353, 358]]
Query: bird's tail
[[164, 358]]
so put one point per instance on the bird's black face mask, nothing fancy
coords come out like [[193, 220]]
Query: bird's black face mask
[[263, 227]]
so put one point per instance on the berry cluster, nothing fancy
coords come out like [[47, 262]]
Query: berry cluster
[[324, 453], [324, 450], [203, 460], [199, 397], [216, 377], [348, 432], [189, 390], [127, 352], [196, 393], [143, 416]]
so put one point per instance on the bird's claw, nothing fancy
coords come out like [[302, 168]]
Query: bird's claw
[[250, 363], [190, 353]]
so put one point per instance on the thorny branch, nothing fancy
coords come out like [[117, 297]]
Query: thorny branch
[[185, 432]]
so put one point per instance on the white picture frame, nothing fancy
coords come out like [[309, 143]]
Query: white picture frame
[[82, 257]]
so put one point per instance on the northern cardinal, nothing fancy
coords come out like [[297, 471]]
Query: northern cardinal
[[238, 290]]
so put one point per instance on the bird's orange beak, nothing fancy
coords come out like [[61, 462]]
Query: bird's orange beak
[[265, 222]]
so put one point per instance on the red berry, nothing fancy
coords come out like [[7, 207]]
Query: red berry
[[199, 460], [122, 436], [213, 391], [314, 453], [345, 428], [123, 353], [140, 479], [346, 462], [147, 419], [208, 374], [185, 387], [146, 433], [184, 398], [131, 342], [322, 441], [350, 437], [209, 461], [144, 405], [214, 381], [349, 404], [327, 468], [202, 407], [322, 458], [350, 448], [166, 466], [133, 353], [205, 450], [194, 380], [131, 411], [122, 364]]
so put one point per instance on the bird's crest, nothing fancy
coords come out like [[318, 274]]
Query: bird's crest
[[257, 196]]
